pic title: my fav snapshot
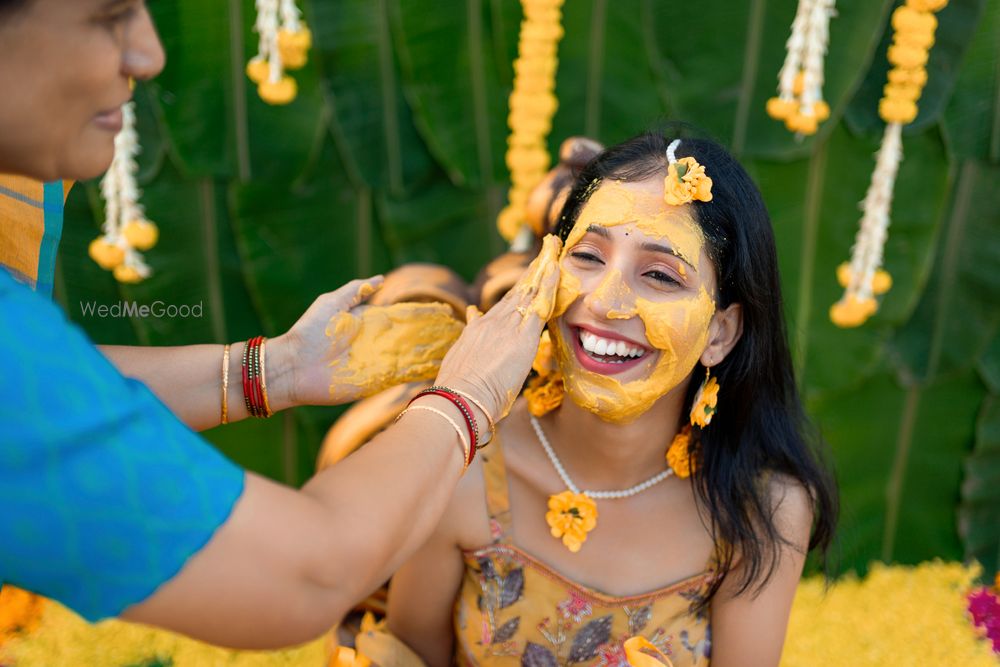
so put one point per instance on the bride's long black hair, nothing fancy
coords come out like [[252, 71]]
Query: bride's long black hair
[[760, 428]]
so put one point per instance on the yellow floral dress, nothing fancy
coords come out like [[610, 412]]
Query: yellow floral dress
[[513, 609]]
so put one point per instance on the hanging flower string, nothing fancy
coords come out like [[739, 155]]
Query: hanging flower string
[[863, 277], [532, 106], [284, 45], [125, 231], [800, 82]]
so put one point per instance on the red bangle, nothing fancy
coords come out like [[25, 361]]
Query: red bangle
[[463, 407], [254, 392]]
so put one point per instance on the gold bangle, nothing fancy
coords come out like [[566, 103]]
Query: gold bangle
[[490, 424], [466, 447], [263, 380], [225, 384]]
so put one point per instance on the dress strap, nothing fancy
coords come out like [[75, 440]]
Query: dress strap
[[497, 496]]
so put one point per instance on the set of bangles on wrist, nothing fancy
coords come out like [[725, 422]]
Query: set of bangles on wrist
[[254, 379], [470, 436]]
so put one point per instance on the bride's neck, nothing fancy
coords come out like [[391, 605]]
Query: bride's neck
[[599, 455]]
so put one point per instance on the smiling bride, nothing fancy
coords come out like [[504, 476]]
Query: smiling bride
[[663, 513]]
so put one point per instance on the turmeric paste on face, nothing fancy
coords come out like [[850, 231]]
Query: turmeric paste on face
[[677, 328]]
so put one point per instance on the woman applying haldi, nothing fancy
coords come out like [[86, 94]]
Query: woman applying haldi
[[665, 510]]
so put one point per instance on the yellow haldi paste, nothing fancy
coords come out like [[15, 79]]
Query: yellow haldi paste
[[390, 345]]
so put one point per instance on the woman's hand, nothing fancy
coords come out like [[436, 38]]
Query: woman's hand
[[492, 357], [298, 362]]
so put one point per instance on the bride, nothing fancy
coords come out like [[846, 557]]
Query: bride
[[663, 511]]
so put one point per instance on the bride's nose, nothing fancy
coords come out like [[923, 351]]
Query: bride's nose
[[613, 299]]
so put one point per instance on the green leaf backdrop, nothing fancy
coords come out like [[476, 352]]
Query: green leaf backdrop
[[393, 153]]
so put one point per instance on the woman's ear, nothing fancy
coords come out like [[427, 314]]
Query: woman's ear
[[724, 331]]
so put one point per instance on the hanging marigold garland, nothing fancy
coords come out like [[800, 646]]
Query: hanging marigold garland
[[284, 45], [125, 231], [532, 106], [800, 82], [863, 277]]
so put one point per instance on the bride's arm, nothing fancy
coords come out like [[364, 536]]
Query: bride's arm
[[749, 630]]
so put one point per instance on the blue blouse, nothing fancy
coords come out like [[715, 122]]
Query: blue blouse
[[104, 493]]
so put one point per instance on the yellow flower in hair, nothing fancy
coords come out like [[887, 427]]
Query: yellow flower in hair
[[570, 517], [686, 181], [705, 402], [678, 455]]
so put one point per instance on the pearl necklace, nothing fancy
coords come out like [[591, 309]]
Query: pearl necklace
[[557, 464]]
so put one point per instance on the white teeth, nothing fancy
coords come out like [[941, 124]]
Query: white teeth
[[603, 347]]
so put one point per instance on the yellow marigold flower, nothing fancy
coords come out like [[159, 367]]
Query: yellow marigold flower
[[545, 361], [348, 657], [881, 281], [527, 159], [895, 110], [540, 103], [570, 517], [907, 56], [509, 221], [908, 19], [852, 312], [821, 110], [799, 84], [705, 402], [927, 5], [686, 181], [20, 611], [282, 92], [258, 70], [537, 31], [127, 274], [107, 255], [802, 123], [544, 394], [300, 40], [528, 122], [141, 234], [678, 456], [914, 40], [902, 91], [780, 109], [908, 77]]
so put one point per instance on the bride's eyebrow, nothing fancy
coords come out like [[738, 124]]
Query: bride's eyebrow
[[599, 230], [665, 249]]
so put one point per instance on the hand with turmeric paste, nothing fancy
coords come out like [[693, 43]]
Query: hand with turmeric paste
[[492, 357]]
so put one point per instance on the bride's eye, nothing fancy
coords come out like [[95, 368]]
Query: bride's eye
[[662, 277], [585, 256]]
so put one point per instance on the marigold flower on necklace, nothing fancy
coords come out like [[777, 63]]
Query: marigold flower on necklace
[[570, 517]]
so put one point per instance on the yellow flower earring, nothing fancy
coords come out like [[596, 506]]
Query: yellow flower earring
[[680, 457], [706, 401]]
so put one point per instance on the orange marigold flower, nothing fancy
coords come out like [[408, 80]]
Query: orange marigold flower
[[544, 394], [679, 456], [107, 255], [705, 402], [258, 70], [896, 110], [851, 311], [927, 5], [570, 517], [686, 181], [907, 56], [282, 92], [780, 109], [914, 39], [900, 91], [916, 76], [908, 19], [802, 123], [141, 234]]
